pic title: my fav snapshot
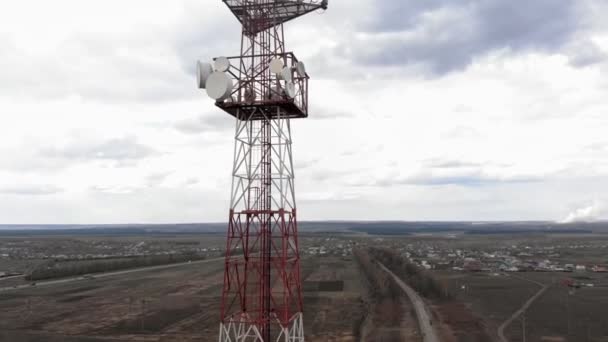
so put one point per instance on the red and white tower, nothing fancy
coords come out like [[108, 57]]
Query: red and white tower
[[263, 88]]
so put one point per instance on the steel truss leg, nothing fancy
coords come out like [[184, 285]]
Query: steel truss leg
[[239, 330]]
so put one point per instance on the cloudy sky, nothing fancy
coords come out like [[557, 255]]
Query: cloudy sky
[[421, 110]]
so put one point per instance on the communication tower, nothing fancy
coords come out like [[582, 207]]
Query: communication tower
[[263, 88]]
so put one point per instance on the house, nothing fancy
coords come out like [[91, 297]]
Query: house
[[472, 265]]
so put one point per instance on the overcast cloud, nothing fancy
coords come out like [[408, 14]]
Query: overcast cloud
[[440, 110]]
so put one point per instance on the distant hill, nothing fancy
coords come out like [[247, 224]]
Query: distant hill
[[368, 227]]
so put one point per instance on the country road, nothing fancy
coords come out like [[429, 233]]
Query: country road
[[424, 318], [101, 275], [505, 324]]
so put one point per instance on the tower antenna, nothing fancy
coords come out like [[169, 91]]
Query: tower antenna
[[263, 88]]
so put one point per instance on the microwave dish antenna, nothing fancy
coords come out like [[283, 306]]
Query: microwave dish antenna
[[222, 64], [203, 71]]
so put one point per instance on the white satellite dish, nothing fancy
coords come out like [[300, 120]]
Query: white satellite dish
[[219, 86], [203, 70], [286, 74], [276, 66], [222, 64], [290, 89], [301, 69]]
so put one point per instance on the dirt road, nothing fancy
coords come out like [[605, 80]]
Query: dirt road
[[501, 328], [424, 318]]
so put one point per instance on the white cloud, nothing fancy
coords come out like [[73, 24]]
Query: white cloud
[[120, 150]]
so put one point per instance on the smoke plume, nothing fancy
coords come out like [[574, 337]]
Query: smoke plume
[[588, 213]]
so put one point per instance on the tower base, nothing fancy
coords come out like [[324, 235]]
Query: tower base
[[240, 329]]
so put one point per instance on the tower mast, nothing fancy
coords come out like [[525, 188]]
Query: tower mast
[[263, 88]]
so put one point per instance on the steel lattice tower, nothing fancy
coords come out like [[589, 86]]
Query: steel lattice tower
[[263, 89]]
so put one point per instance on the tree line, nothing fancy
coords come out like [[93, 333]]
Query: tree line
[[418, 278], [58, 269], [383, 302]]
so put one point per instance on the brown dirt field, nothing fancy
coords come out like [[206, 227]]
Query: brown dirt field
[[142, 306], [175, 304], [491, 298], [495, 298], [578, 316], [459, 324]]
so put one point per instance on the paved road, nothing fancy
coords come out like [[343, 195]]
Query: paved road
[[424, 318], [501, 328], [102, 275]]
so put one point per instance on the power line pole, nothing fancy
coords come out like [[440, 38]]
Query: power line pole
[[523, 325], [568, 312], [143, 313]]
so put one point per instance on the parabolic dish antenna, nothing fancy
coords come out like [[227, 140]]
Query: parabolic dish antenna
[[286, 74], [203, 70], [276, 65], [222, 64], [301, 69], [219, 86], [290, 89]]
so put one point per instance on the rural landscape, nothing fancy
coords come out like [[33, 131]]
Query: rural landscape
[[304, 171], [157, 283]]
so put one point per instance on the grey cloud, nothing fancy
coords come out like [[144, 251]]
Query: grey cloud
[[117, 190], [305, 164], [95, 67], [25, 159], [443, 36], [156, 179], [447, 164], [348, 153], [120, 150], [461, 132], [324, 113], [329, 196], [194, 39], [191, 181], [125, 151], [600, 146], [440, 172], [321, 174], [397, 15], [467, 180], [30, 190], [215, 121], [585, 53]]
